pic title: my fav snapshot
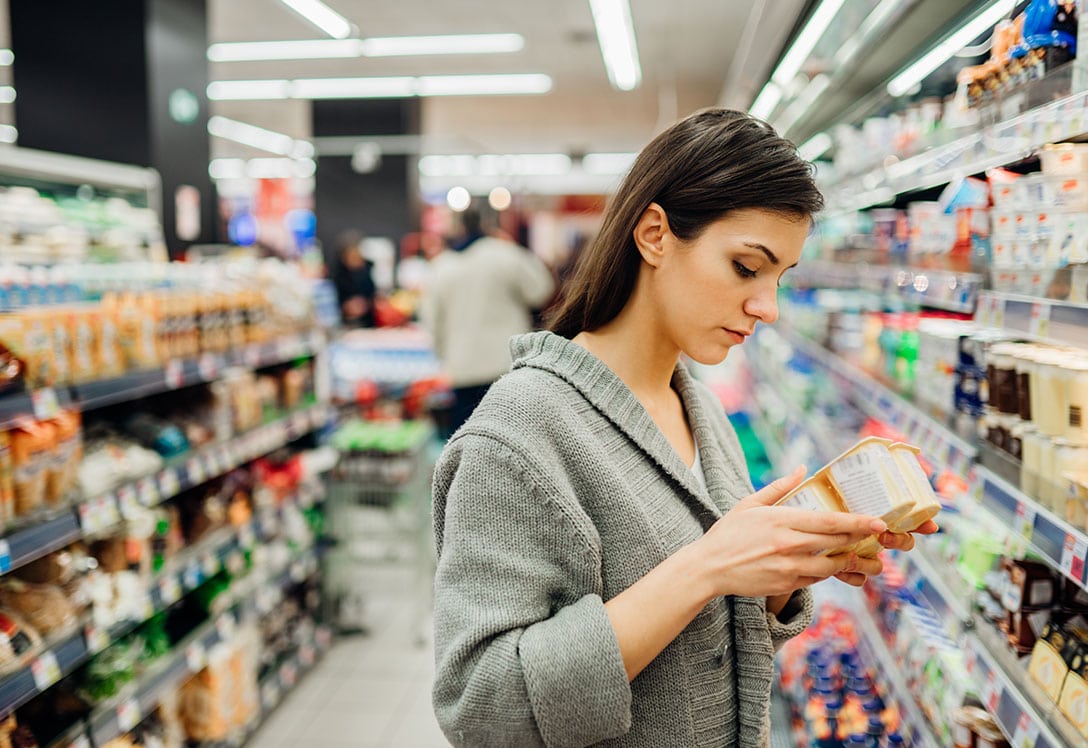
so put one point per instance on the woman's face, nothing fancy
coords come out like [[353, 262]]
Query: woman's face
[[711, 291]]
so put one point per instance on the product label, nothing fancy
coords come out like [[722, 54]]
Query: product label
[[148, 492], [1040, 319], [128, 715], [169, 484], [1073, 556], [97, 639], [175, 374], [196, 657], [170, 589], [806, 498], [860, 482], [1025, 521], [46, 670], [1027, 732], [128, 501], [45, 404]]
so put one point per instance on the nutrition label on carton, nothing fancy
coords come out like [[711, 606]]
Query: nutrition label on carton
[[861, 483], [805, 498]]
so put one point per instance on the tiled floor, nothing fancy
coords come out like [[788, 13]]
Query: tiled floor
[[368, 691]]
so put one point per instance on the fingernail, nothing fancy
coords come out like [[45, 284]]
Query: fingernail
[[878, 526]]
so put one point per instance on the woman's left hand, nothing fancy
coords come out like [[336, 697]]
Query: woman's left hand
[[896, 541]]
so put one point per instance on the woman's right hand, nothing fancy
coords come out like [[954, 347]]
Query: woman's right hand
[[758, 549]]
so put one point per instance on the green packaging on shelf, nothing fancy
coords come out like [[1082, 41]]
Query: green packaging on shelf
[[389, 437], [980, 552]]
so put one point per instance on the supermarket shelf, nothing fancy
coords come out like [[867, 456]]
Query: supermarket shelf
[[1063, 546], [997, 145], [938, 443], [186, 372], [931, 287], [120, 715], [186, 573], [94, 516], [873, 648], [1045, 320], [1003, 683], [42, 403]]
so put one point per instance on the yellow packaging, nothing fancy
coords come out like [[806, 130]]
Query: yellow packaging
[[83, 344], [1074, 698], [7, 481], [37, 347], [63, 467], [62, 345], [111, 360], [32, 445], [1047, 666], [925, 501]]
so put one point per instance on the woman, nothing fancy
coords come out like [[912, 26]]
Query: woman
[[354, 281], [605, 573]]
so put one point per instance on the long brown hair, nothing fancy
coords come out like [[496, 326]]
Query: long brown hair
[[704, 166]]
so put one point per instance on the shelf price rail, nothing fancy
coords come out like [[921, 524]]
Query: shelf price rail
[[1061, 323]]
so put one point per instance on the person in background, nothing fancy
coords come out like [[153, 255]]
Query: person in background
[[606, 574], [481, 292], [354, 281]]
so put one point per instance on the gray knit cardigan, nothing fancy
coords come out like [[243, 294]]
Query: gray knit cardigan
[[559, 493]]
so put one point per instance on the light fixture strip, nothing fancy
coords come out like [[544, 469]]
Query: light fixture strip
[[378, 87], [917, 71], [448, 44], [7, 57], [302, 49], [805, 42], [767, 101], [259, 137], [616, 37], [802, 103], [815, 146], [869, 26], [321, 16]]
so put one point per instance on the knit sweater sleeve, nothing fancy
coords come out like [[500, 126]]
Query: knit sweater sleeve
[[525, 652]]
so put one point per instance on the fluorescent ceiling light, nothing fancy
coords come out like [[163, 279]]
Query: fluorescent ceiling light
[[802, 103], [466, 85], [872, 22], [259, 137], [449, 44], [917, 71], [815, 146], [6, 57], [304, 49], [616, 36], [767, 101], [805, 42], [7, 94], [227, 168], [496, 165], [8, 134], [353, 88], [261, 168], [322, 16], [248, 90], [607, 163]]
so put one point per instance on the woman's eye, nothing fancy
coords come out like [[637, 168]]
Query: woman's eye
[[743, 271]]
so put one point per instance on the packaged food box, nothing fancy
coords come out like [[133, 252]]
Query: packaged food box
[[877, 477], [1074, 697], [1047, 666]]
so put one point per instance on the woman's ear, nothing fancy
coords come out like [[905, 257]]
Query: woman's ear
[[650, 233]]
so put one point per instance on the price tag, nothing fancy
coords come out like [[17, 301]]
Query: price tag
[[195, 468], [97, 639], [209, 367], [128, 715], [169, 483], [5, 557], [128, 502], [998, 314], [1073, 552], [45, 670], [147, 490], [175, 374], [45, 403], [196, 657], [107, 506], [288, 675], [225, 625], [170, 589], [1040, 319], [1025, 520], [992, 692], [192, 576], [209, 563], [1027, 732], [306, 655], [247, 537], [88, 518]]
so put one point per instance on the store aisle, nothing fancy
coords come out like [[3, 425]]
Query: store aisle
[[368, 691]]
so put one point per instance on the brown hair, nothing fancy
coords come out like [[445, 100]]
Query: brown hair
[[704, 166]]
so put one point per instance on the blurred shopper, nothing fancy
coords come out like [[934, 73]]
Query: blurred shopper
[[606, 574], [481, 292], [354, 281]]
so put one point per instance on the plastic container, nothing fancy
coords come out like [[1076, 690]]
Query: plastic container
[[1064, 159], [1075, 373]]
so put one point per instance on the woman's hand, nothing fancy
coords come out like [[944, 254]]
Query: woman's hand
[[760, 550], [896, 541]]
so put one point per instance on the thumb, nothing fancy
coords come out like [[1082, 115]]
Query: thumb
[[773, 491]]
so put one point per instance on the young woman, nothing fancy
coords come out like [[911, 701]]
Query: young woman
[[605, 573]]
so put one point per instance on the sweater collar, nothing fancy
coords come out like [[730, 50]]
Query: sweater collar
[[614, 400]]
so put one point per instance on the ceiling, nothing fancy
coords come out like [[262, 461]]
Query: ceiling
[[694, 53]]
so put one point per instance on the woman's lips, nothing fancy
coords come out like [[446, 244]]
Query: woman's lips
[[738, 337]]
